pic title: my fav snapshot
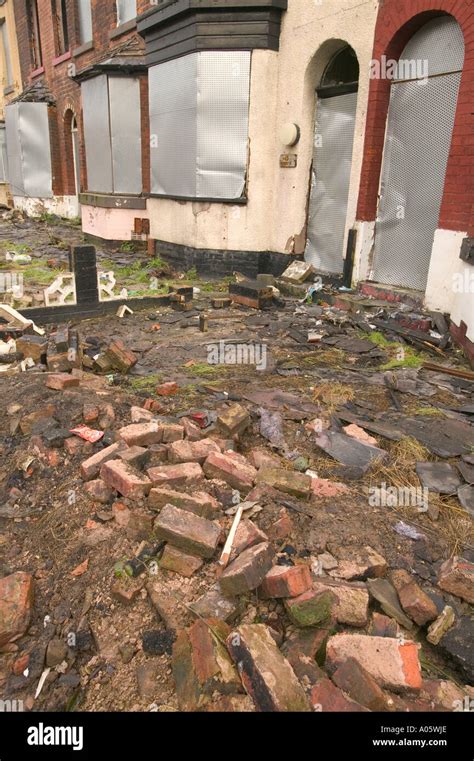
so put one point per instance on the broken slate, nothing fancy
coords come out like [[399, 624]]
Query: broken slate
[[439, 477]]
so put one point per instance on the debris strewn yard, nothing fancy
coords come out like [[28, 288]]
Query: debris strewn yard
[[259, 499]]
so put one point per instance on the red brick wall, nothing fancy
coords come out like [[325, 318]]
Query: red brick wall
[[66, 92], [397, 21]]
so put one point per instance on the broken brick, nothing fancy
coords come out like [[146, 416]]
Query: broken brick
[[191, 431], [172, 432], [248, 570], [356, 682], [237, 472], [98, 491], [141, 434], [137, 457], [168, 605], [414, 601], [27, 422], [60, 381], [200, 503], [139, 526], [266, 674], [393, 664], [185, 474], [456, 576], [214, 604], [443, 624], [365, 564], [121, 513], [352, 600], [167, 389], [247, 535], [125, 479], [180, 562], [326, 697], [120, 357], [16, 600], [191, 451], [202, 666], [288, 481], [261, 458], [90, 468], [125, 592], [286, 581], [310, 608], [187, 531], [233, 420], [283, 527], [141, 415], [383, 626]]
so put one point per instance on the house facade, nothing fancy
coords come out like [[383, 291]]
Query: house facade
[[10, 87]]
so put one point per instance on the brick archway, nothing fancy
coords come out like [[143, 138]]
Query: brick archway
[[69, 179], [397, 22]]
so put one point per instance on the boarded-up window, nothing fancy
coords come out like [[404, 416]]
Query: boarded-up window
[[112, 132], [6, 57], [28, 150], [126, 11], [199, 125], [3, 155], [85, 20]]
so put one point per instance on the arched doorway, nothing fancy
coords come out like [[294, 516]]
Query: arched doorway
[[75, 155], [336, 107], [420, 122]]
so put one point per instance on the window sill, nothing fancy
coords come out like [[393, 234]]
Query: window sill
[[37, 72], [128, 26], [233, 201], [61, 58], [84, 48], [111, 201]]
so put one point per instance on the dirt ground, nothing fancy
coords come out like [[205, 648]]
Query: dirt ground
[[47, 532]]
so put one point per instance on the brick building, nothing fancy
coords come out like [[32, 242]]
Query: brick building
[[10, 86]]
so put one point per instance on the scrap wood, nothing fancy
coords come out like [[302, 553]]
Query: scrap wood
[[465, 374], [226, 552]]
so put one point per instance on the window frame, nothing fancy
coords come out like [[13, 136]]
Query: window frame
[[34, 34]]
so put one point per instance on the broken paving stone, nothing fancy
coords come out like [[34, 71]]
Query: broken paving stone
[[383, 626], [456, 576], [247, 535], [185, 474], [98, 491], [348, 451], [457, 646], [187, 531], [466, 498], [326, 697], [248, 570], [286, 581], [202, 666], [179, 562], [385, 594], [266, 674], [16, 600], [439, 477], [200, 503], [90, 468], [60, 381], [352, 600], [234, 470], [120, 357], [365, 564], [414, 601], [192, 451], [158, 641], [233, 420], [311, 608], [126, 480], [394, 665], [359, 685], [214, 604], [287, 481], [141, 434]]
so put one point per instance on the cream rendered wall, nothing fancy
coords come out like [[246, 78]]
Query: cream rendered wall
[[110, 224], [282, 90]]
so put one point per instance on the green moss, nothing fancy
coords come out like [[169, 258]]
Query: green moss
[[204, 370], [146, 383]]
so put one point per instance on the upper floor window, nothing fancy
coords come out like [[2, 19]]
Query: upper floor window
[[61, 35], [126, 11], [6, 58], [34, 33], [84, 13]]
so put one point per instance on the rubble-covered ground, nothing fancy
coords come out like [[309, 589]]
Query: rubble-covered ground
[[348, 587]]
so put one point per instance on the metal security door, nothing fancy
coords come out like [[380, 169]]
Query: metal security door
[[332, 160], [419, 129]]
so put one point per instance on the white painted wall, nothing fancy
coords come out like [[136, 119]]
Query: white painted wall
[[282, 90], [110, 224], [450, 286], [63, 206]]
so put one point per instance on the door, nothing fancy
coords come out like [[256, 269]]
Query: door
[[332, 160], [419, 128]]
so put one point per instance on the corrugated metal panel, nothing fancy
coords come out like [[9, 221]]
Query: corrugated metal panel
[[419, 129], [222, 127], [14, 150], [95, 106], [29, 150], [125, 130], [3, 154], [332, 161], [199, 125], [173, 120]]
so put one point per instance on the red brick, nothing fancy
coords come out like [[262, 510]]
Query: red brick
[[60, 381], [248, 570], [286, 581], [247, 535], [456, 576], [352, 600], [198, 503], [90, 468], [180, 562], [125, 479], [188, 532], [141, 434], [238, 473], [172, 432], [326, 697], [414, 601], [185, 474], [98, 491], [191, 451], [16, 601], [356, 682], [167, 389]]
